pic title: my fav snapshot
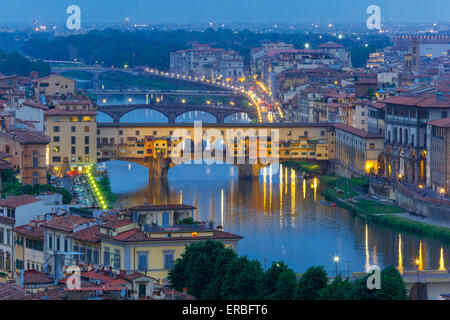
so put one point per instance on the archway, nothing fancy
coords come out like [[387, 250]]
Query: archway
[[144, 115], [195, 115], [238, 117], [103, 117]]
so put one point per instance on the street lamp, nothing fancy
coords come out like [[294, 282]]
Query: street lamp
[[417, 262], [336, 260]]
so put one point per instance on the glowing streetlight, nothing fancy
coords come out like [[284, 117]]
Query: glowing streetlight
[[336, 260], [417, 262]]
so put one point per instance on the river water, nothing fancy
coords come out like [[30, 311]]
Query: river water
[[280, 217]]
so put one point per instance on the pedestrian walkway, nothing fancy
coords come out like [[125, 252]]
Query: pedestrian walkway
[[423, 220]]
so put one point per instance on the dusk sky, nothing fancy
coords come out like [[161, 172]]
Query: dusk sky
[[186, 11]]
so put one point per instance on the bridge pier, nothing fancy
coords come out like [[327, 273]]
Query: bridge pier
[[95, 80], [158, 168], [249, 171], [220, 118]]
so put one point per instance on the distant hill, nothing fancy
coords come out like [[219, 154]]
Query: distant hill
[[14, 63]]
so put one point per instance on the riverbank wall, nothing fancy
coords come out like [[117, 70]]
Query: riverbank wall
[[432, 208]]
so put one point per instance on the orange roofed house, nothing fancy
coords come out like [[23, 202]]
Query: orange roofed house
[[27, 154], [148, 239]]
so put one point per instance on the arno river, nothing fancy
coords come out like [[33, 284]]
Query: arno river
[[280, 218]]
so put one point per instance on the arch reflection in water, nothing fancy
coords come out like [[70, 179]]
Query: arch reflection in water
[[303, 237]]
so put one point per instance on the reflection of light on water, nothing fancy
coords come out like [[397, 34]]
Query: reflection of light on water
[[285, 180], [264, 192], [181, 196], [441, 260], [420, 256], [129, 167], [208, 170], [293, 197], [221, 208], [367, 246], [375, 257], [281, 192], [281, 177], [270, 194], [315, 189], [304, 188], [400, 254]]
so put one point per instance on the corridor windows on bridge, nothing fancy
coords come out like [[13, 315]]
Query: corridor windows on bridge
[[56, 159], [73, 129], [56, 129], [86, 129], [86, 140], [86, 118], [86, 150], [74, 150], [56, 139], [74, 119], [120, 132], [73, 140]]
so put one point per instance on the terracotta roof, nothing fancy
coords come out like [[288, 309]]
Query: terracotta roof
[[54, 75], [428, 102], [27, 137], [35, 105], [7, 220], [356, 131], [35, 277], [133, 276], [88, 234], [96, 289], [11, 292], [67, 223], [161, 207], [379, 105], [104, 278], [61, 112], [18, 201], [74, 102], [443, 123], [29, 231], [137, 235]]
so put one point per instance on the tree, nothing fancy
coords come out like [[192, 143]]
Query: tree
[[224, 262], [310, 283], [241, 279], [14, 63], [285, 287], [271, 284], [392, 287], [337, 290], [196, 268]]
